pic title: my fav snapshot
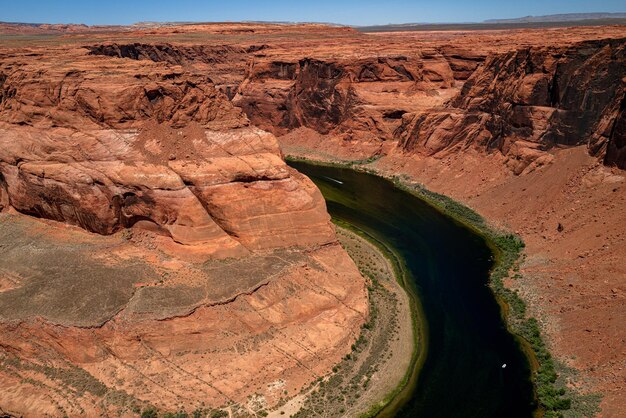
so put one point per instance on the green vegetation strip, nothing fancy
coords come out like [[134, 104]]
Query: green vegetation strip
[[507, 248], [403, 390]]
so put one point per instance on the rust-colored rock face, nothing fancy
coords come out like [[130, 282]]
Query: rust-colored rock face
[[519, 100], [527, 128], [67, 92], [124, 326], [128, 145], [188, 267], [545, 97], [219, 190], [197, 267], [333, 95]]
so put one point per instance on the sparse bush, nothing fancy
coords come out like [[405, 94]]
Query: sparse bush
[[508, 248], [219, 413], [149, 413], [179, 414]]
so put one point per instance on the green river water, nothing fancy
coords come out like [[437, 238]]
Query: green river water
[[468, 344]]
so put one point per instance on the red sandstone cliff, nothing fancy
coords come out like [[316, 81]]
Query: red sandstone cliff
[[129, 145], [136, 129], [527, 101], [339, 96], [519, 101], [533, 140], [213, 271]]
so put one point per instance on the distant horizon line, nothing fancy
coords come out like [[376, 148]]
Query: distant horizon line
[[522, 19]]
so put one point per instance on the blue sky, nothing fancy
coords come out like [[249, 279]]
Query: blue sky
[[355, 12]]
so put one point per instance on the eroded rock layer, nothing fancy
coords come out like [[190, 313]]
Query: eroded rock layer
[[228, 192], [177, 261], [96, 325], [529, 133], [529, 100], [153, 130], [128, 145]]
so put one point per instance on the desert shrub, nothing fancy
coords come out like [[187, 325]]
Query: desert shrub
[[179, 414], [149, 413]]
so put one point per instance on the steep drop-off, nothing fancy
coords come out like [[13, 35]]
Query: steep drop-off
[[350, 99], [527, 129], [188, 267], [525, 126], [527, 101]]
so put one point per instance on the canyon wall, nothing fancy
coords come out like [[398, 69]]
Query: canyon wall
[[520, 102], [531, 137], [339, 96], [526, 127], [156, 249], [164, 142], [527, 101], [126, 146]]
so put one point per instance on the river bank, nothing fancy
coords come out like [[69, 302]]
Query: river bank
[[381, 361]]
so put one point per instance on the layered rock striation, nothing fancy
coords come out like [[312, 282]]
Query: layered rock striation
[[344, 97], [529, 100], [109, 150], [149, 137], [176, 262]]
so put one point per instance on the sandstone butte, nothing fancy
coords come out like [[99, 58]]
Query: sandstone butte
[[214, 274]]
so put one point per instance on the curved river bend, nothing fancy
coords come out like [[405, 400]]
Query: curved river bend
[[467, 341]]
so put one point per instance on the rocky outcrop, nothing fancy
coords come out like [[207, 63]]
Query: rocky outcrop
[[320, 97], [134, 132], [224, 64], [172, 54], [333, 96], [609, 138], [211, 273], [541, 102], [94, 325], [165, 171], [4, 194], [530, 100], [329, 96], [42, 93], [220, 190]]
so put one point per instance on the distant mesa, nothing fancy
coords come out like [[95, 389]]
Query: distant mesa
[[565, 17], [544, 21]]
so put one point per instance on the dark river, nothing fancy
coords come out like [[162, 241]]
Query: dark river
[[467, 341]]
